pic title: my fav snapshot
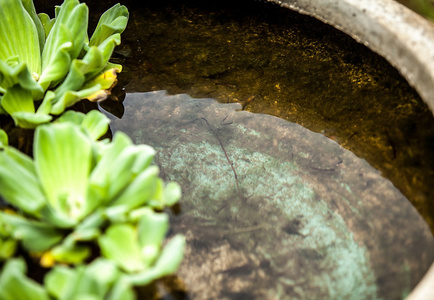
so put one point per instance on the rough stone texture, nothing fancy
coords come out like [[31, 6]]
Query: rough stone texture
[[404, 38], [310, 220]]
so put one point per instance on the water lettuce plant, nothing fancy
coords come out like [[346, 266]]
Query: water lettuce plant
[[79, 192], [47, 65]]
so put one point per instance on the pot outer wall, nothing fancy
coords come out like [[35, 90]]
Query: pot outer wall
[[398, 34]]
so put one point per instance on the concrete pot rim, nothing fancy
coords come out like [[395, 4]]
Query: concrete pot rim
[[388, 28], [398, 34]]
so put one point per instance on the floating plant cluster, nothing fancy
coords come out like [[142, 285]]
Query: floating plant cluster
[[88, 210]]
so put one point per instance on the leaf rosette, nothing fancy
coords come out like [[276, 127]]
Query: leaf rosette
[[47, 65], [78, 190]]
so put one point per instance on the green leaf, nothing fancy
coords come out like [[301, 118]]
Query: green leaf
[[104, 272], [69, 98], [106, 51], [47, 23], [121, 290], [30, 120], [4, 140], [34, 235], [172, 193], [71, 116], [45, 107], [64, 42], [90, 224], [171, 257], [95, 124], [140, 190], [114, 20], [7, 248], [100, 176], [120, 174], [78, 69], [63, 151], [18, 103], [58, 280], [21, 187], [30, 8], [152, 229], [104, 82], [66, 254], [120, 244], [52, 216], [167, 263], [19, 35], [15, 285], [56, 64], [118, 214], [144, 158], [13, 72], [156, 201], [84, 282]]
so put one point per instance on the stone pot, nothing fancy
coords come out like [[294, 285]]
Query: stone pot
[[398, 34]]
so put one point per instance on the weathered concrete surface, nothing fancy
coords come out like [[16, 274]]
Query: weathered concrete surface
[[404, 38], [310, 220]]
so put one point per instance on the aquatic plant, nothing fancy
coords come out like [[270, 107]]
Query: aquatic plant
[[79, 192], [47, 65]]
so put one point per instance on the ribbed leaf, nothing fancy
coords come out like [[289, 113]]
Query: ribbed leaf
[[71, 116], [172, 193], [18, 35], [120, 174], [106, 51], [144, 158], [152, 228], [140, 190], [121, 290], [30, 8], [4, 140], [85, 282], [13, 72], [120, 244], [70, 26], [55, 56], [167, 263], [14, 284], [58, 280], [69, 98], [105, 274], [100, 177], [34, 235], [47, 23], [8, 247], [56, 218], [75, 254], [95, 124], [79, 68], [113, 21], [21, 187], [63, 157]]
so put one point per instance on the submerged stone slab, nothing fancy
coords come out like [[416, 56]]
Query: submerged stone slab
[[272, 210]]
